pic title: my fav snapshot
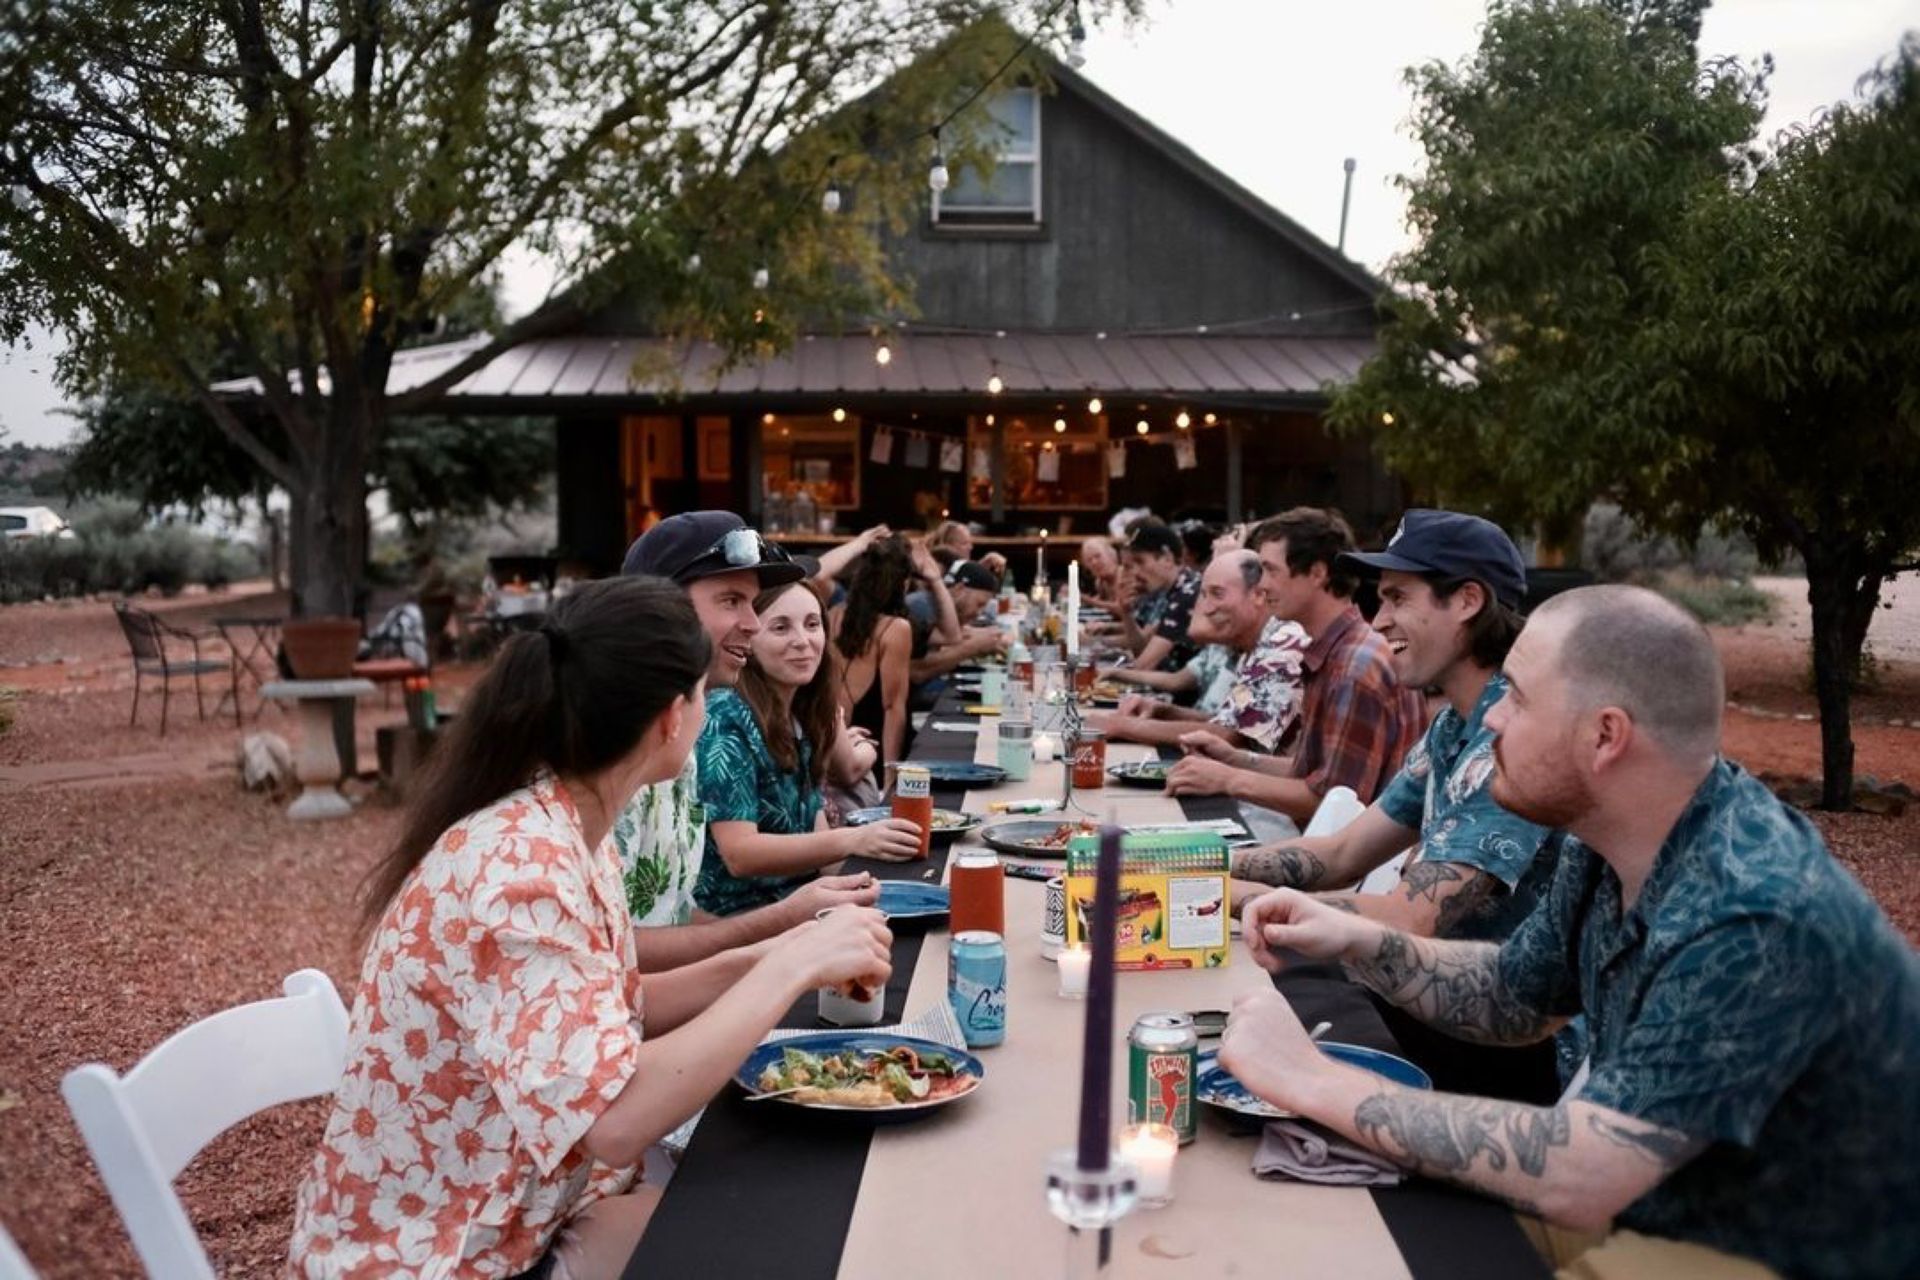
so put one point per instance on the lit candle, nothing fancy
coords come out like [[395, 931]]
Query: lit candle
[[1073, 609], [1150, 1149], [1040, 564], [1076, 963], [1096, 1058], [1043, 747]]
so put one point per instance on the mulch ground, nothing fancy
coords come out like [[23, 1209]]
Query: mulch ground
[[132, 907]]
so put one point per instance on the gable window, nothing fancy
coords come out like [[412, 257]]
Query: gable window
[[1010, 196]]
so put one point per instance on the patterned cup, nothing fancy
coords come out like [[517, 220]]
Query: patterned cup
[[1053, 929]]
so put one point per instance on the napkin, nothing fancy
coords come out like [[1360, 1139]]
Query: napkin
[[952, 726], [1305, 1152]]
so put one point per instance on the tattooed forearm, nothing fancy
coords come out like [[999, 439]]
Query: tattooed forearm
[[1667, 1148], [1442, 1135], [1453, 890], [1454, 986], [1286, 867]]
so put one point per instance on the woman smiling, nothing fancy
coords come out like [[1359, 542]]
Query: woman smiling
[[767, 749]]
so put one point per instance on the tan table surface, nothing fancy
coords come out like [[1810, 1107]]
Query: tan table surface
[[985, 1157]]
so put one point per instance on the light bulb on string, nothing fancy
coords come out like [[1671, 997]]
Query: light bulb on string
[[1181, 420], [762, 278], [1386, 419], [830, 202], [693, 263], [839, 415], [1210, 419], [1076, 40], [1060, 426], [1093, 405], [1141, 426], [766, 419], [937, 177], [883, 354], [994, 385]]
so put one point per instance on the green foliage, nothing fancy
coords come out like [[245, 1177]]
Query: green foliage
[[1614, 549], [117, 550], [1718, 602]]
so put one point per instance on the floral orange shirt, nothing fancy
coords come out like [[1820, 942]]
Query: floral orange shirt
[[498, 1014]]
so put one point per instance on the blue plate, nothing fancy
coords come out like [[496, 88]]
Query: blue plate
[[962, 773], [748, 1076], [1214, 1085], [947, 823], [912, 900]]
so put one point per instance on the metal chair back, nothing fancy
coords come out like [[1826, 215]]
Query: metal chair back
[[143, 632]]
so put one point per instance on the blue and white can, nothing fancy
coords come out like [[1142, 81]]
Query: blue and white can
[[977, 986]]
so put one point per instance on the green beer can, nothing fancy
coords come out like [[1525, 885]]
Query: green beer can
[[1163, 1054]]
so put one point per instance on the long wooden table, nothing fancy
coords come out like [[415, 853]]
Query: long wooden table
[[775, 1191]]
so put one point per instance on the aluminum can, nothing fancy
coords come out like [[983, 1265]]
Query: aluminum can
[[1162, 1056], [977, 986], [1053, 925]]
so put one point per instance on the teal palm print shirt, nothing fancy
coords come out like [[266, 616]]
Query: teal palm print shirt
[[1444, 790], [1755, 998], [739, 782], [659, 837]]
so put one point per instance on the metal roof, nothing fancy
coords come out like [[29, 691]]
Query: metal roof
[[610, 369]]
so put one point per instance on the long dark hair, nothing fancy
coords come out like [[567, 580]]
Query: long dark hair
[[876, 589], [814, 703], [574, 696]]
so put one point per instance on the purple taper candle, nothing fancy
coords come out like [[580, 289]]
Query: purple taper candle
[[1096, 1081]]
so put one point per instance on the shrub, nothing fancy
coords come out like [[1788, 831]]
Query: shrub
[[1615, 549], [1722, 602], [108, 556]]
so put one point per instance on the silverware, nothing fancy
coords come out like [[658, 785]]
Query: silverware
[[774, 1093], [1319, 1030]]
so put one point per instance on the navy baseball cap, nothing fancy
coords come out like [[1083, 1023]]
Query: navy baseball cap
[[971, 573], [701, 544], [1453, 545]]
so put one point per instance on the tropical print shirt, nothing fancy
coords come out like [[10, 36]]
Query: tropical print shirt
[[1212, 672], [1147, 608], [1175, 617], [1263, 702], [1357, 720], [657, 839], [1444, 790], [739, 782], [1755, 998], [498, 1015]]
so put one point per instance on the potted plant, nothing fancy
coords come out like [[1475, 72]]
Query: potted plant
[[321, 648]]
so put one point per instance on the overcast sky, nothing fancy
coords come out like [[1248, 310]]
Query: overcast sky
[[1277, 93]]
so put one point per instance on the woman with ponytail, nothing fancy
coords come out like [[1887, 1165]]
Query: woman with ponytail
[[498, 1096], [874, 644]]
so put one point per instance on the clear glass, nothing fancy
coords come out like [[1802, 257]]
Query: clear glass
[[1088, 1199]]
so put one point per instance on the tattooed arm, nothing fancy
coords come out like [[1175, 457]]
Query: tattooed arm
[[1325, 862], [1431, 900], [1575, 1163]]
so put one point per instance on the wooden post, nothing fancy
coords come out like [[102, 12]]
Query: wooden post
[[1234, 468], [998, 463]]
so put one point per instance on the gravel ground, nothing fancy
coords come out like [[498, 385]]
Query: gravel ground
[[133, 908]]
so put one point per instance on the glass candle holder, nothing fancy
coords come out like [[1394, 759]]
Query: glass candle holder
[[1076, 970]]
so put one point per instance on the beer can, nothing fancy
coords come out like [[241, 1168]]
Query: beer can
[[1162, 1055], [977, 986]]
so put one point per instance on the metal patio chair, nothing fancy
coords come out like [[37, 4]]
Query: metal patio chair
[[147, 637]]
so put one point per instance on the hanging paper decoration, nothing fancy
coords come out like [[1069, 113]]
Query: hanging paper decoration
[[1183, 453], [882, 451], [1117, 461], [1048, 469], [980, 465], [918, 450], [951, 454]]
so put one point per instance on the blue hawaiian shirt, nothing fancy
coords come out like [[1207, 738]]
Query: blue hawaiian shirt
[[739, 782], [1753, 997], [1444, 790]]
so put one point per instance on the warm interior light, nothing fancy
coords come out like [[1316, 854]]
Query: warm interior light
[[1060, 426], [839, 415], [994, 385], [1141, 426], [1093, 405], [1209, 419], [1181, 420], [766, 419]]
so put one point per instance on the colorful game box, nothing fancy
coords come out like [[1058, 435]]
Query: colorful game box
[[1174, 904]]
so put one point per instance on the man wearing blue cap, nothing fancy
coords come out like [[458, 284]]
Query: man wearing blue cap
[[1450, 588], [661, 834]]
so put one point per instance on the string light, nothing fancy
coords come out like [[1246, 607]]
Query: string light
[[1093, 405], [1076, 40], [1141, 426], [1060, 426], [883, 354], [1181, 420], [937, 177], [1386, 419], [766, 419], [693, 263], [830, 202], [1209, 419], [989, 419], [994, 385], [761, 278], [839, 415]]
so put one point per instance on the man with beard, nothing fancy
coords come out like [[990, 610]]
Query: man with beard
[[1753, 1019], [661, 834]]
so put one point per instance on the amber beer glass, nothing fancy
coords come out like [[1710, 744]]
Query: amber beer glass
[[978, 887], [913, 800]]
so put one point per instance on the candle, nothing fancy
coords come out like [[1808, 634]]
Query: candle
[[1076, 963], [1043, 747], [1073, 609], [1096, 1078], [1150, 1149], [1040, 565]]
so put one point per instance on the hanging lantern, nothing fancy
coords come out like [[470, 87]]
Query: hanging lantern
[[830, 202], [761, 278]]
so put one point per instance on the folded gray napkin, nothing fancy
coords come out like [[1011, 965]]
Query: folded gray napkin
[[1305, 1152]]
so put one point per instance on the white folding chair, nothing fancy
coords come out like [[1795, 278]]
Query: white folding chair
[[13, 1263], [1337, 808], [144, 1127]]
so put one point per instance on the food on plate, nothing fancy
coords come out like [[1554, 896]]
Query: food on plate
[[947, 819], [867, 1078], [1061, 835]]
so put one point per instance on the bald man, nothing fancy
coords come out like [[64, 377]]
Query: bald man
[[1753, 1020]]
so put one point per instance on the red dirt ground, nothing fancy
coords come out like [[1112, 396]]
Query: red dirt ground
[[150, 891]]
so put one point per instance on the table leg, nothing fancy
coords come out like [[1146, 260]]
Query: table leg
[[318, 765]]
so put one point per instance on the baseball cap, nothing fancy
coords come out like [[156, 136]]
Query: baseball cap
[[701, 544], [971, 573], [1154, 538], [1454, 545]]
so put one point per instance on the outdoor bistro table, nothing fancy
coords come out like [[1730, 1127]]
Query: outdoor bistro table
[[767, 1190], [318, 764], [252, 638]]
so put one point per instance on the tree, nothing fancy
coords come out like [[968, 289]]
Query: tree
[[306, 186], [1616, 294]]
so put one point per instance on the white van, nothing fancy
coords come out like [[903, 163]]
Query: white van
[[32, 522]]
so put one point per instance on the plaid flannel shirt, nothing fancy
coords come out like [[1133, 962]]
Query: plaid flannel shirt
[[1357, 720]]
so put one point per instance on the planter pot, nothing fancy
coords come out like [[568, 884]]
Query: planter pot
[[321, 648]]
